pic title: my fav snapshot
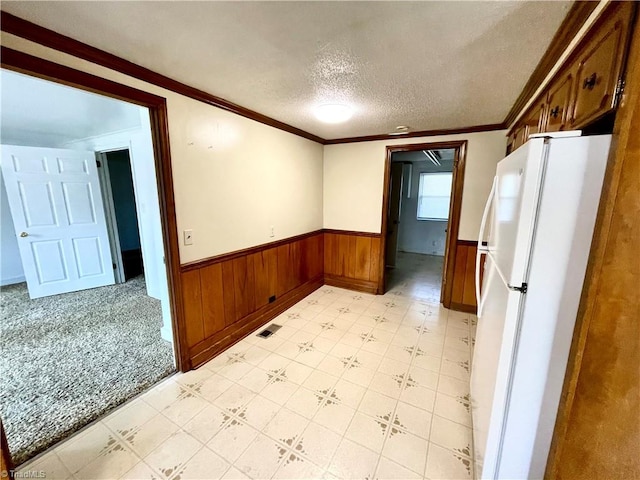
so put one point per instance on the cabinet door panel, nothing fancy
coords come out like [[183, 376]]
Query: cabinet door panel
[[558, 103], [599, 68], [520, 136], [533, 120]]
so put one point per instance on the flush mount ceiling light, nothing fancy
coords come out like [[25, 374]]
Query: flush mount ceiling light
[[400, 130], [333, 113]]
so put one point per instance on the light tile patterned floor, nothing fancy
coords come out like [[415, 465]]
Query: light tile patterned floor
[[416, 275], [351, 386]]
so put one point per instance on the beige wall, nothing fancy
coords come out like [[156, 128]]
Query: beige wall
[[354, 175], [234, 178]]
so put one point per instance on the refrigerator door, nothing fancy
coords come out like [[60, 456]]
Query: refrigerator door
[[518, 183], [492, 363], [560, 253]]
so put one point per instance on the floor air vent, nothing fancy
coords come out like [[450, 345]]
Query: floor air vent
[[270, 330]]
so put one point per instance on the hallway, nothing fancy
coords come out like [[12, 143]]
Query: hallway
[[417, 276]]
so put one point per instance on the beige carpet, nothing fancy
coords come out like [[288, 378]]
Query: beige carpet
[[69, 358]]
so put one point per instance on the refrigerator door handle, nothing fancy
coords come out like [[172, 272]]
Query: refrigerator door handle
[[481, 249]]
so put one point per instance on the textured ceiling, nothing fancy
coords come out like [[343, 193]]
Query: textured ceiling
[[428, 65]]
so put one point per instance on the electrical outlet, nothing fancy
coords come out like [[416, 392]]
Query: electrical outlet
[[272, 231], [188, 237]]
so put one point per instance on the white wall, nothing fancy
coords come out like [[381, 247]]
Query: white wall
[[419, 236], [354, 176], [233, 178], [10, 264]]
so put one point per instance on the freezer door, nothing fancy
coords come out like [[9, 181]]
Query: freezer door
[[491, 367], [518, 180]]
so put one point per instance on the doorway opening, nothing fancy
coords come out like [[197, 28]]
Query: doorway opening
[[420, 218], [86, 311], [116, 181]]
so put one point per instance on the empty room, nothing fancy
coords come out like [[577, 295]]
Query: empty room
[[309, 240]]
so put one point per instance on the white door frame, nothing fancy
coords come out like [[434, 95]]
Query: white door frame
[[110, 215]]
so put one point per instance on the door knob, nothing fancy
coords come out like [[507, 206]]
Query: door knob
[[24, 234]]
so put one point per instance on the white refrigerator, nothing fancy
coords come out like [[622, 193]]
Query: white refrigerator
[[540, 217]]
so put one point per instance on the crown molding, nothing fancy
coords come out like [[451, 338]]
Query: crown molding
[[422, 133], [35, 33]]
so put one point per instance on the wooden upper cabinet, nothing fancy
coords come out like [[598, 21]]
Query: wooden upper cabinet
[[586, 87], [534, 120], [511, 141], [516, 138], [558, 103], [531, 122], [599, 67]]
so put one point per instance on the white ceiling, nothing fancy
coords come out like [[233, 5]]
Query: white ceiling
[[39, 113], [428, 65]]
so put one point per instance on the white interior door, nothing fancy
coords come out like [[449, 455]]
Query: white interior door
[[58, 215]]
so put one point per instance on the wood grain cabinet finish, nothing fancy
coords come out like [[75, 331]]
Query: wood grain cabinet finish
[[534, 120], [519, 137], [511, 142], [587, 86], [599, 67], [557, 103]]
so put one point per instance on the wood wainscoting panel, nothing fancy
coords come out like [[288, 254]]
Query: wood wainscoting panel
[[362, 257], [192, 303], [228, 294], [227, 297], [463, 290], [352, 260], [211, 286], [313, 257], [265, 265], [244, 284], [459, 273]]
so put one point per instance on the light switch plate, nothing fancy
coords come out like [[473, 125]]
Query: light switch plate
[[188, 237]]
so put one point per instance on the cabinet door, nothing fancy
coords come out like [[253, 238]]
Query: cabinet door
[[511, 141], [599, 68], [519, 136], [558, 103], [534, 120]]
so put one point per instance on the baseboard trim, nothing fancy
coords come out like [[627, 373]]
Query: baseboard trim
[[12, 280], [366, 286], [212, 346], [461, 307]]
